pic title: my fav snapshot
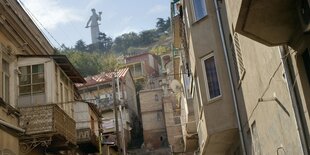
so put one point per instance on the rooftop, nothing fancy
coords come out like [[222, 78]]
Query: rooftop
[[103, 78]]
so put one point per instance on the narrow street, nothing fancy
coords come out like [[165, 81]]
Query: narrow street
[[156, 77]]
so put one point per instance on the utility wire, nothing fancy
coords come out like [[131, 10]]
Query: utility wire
[[267, 87], [38, 22]]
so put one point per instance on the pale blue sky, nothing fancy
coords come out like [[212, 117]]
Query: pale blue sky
[[66, 19]]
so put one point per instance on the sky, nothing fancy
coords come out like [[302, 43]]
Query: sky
[[65, 20]]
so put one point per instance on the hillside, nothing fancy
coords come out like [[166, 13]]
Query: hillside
[[104, 55]]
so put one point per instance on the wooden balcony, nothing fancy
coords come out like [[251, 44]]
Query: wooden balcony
[[274, 22], [87, 140], [48, 122]]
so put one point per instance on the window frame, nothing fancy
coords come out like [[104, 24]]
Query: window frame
[[203, 59], [5, 94], [31, 84], [194, 14]]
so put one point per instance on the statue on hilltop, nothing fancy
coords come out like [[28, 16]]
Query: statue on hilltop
[[94, 26]]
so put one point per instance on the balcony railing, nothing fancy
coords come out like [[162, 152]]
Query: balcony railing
[[48, 119], [86, 135], [105, 104], [87, 140]]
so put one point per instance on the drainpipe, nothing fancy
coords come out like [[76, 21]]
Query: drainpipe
[[220, 25], [12, 126], [292, 94]]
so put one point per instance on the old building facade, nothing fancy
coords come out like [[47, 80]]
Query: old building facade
[[46, 94], [16, 37], [239, 88], [99, 90], [142, 67], [88, 127]]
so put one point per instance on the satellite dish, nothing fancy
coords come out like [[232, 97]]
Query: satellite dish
[[176, 86]]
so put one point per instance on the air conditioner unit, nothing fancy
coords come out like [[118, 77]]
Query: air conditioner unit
[[304, 14]]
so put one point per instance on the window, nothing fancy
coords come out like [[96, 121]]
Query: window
[[200, 10], [187, 81], [5, 81], [210, 73], [31, 80]]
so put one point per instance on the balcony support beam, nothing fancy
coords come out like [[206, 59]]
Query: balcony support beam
[[28, 145]]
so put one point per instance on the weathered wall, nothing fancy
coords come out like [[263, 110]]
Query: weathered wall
[[213, 116], [8, 138], [266, 109], [154, 129]]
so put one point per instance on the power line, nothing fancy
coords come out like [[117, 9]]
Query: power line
[[267, 87], [35, 19]]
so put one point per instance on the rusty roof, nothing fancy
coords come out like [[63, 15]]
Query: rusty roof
[[103, 78]]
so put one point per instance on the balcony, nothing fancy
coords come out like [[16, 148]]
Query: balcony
[[105, 104], [274, 22], [87, 140], [48, 124]]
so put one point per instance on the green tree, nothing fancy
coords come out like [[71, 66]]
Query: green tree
[[162, 25], [147, 37], [159, 50], [80, 45], [105, 43], [109, 62], [86, 63], [123, 42]]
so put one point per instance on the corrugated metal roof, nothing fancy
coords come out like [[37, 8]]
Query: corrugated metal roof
[[103, 77]]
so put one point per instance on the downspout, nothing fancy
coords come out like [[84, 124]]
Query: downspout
[[220, 25], [292, 94]]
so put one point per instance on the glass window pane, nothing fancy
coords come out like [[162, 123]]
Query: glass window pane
[[200, 9], [6, 90], [38, 88], [24, 90], [138, 69], [24, 79], [212, 79], [38, 78], [38, 68], [24, 70]]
